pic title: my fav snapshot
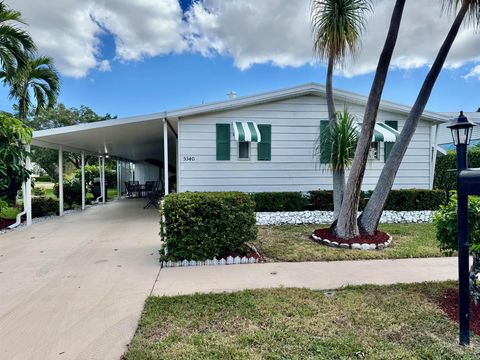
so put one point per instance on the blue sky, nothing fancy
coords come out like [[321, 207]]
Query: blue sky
[[169, 75]]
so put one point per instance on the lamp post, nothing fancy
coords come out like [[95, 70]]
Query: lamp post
[[461, 129]]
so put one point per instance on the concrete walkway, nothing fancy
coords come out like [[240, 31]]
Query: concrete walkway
[[312, 275], [74, 287]]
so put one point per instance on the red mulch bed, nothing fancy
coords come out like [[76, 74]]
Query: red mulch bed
[[379, 237], [6, 222], [449, 304]]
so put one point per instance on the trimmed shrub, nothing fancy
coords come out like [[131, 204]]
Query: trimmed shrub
[[36, 191], [9, 213], [414, 200], [399, 200], [322, 200], [72, 192], [445, 170], [204, 225], [44, 206], [280, 201], [3, 204], [445, 221]]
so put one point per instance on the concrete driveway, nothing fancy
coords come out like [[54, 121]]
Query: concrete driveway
[[74, 287]]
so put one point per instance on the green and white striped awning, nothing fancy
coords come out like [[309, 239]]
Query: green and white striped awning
[[246, 131], [382, 133]]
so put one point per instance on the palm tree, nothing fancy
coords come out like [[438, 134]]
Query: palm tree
[[346, 226], [38, 78], [337, 26], [373, 211], [342, 137], [16, 45]]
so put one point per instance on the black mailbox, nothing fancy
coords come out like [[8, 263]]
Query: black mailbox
[[469, 182]]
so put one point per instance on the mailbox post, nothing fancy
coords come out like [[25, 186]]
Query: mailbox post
[[462, 132]]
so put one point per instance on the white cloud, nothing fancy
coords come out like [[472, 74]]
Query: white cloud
[[473, 73], [142, 28], [252, 32], [69, 30], [249, 31], [104, 66], [278, 32]]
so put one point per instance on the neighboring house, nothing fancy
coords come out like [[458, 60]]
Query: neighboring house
[[263, 142], [445, 141]]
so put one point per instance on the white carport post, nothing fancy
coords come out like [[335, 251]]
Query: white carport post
[[100, 178], [60, 181], [27, 206], [165, 155], [83, 179], [103, 180], [118, 180]]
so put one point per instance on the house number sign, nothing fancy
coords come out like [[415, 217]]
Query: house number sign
[[188, 158]]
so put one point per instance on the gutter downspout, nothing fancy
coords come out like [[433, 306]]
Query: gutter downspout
[[24, 212], [26, 195]]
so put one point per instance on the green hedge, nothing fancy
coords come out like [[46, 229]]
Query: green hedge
[[43, 178], [399, 200], [44, 206], [446, 180], [203, 225], [415, 200], [280, 201]]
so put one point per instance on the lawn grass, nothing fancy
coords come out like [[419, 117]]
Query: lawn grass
[[293, 243], [368, 322]]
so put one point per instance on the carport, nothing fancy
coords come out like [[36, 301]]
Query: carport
[[133, 142]]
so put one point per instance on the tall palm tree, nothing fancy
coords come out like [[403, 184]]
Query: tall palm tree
[[37, 79], [347, 226], [371, 215], [16, 45], [337, 26]]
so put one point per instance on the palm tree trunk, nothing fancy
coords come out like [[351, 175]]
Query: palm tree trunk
[[338, 177], [373, 211], [347, 226], [329, 90], [338, 191]]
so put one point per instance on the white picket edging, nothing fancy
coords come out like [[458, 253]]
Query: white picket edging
[[230, 260]]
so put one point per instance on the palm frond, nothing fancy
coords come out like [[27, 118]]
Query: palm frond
[[337, 26], [473, 12], [341, 138]]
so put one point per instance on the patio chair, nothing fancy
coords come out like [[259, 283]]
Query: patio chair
[[148, 188], [154, 196]]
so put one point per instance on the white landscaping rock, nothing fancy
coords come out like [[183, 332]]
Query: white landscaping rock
[[326, 217]]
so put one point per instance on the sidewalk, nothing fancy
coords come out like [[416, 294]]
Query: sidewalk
[[312, 275]]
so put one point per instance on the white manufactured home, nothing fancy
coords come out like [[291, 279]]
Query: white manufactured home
[[263, 142]]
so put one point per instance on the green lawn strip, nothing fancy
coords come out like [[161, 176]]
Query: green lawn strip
[[293, 243], [368, 322]]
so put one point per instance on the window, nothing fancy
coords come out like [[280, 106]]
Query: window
[[243, 150], [374, 150]]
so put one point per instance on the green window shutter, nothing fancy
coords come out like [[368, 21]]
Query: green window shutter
[[389, 146], [223, 141], [325, 145], [264, 148]]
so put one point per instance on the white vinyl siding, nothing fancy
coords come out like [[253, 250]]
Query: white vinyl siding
[[293, 166]]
